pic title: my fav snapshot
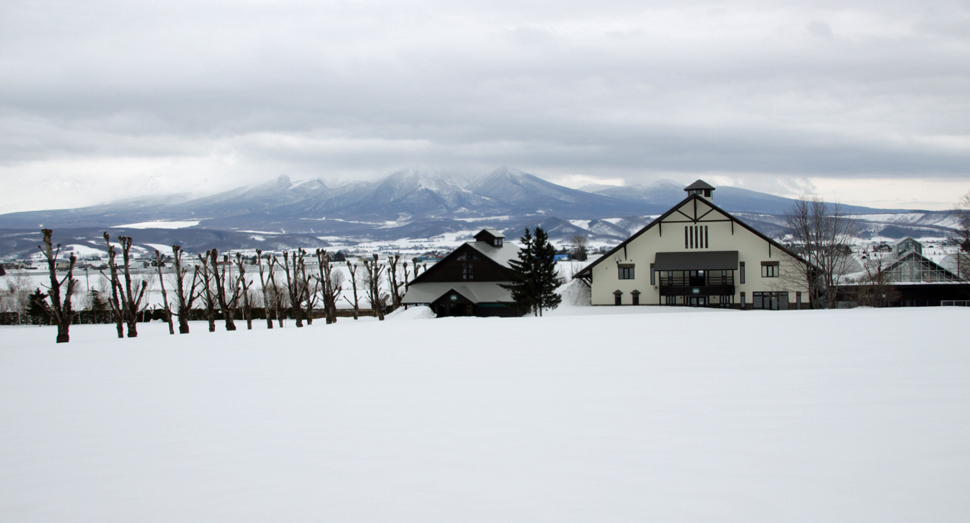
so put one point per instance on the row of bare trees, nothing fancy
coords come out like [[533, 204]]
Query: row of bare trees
[[220, 286]]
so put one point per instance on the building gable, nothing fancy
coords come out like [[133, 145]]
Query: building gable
[[465, 264], [693, 212]]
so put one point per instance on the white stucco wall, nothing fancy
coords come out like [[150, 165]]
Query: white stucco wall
[[669, 237]]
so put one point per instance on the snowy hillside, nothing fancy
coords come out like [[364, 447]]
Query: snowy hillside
[[590, 414]]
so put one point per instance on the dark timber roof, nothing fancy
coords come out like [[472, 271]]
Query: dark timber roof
[[697, 261], [587, 272], [699, 184]]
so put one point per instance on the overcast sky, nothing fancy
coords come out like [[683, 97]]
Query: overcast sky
[[864, 102]]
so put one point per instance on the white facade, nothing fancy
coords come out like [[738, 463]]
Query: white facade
[[697, 254]]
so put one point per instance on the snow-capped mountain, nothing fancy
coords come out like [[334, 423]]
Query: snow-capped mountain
[[415, 203]]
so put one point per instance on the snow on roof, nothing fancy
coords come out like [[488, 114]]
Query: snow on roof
[[500, 255], [476, 292]]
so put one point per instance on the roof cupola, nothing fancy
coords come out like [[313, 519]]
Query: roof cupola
[[700, 188]]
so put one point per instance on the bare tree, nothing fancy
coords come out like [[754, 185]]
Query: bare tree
[[295, 287], [279, 297], [580, 245], [244, 285], [159, 261], [207, 292], [353, 268], [133, 292], [61, 309], [372, 278], [875, 289], [184, 298], [330, 283], [962, 237], [114, 302], [397, 287], [227, 302], [262, 286], [822, 234]]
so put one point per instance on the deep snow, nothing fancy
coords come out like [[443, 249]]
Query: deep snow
[[587, 414]]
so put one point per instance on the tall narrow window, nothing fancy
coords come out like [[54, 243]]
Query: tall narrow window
[[636, 297], [742, 273], [653, 275], [686, 234], [769, 269], [617, 298], [707, 238], [798, 300], [742, 300]]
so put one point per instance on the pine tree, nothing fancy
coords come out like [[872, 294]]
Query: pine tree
[[534, 277], [547, 277]]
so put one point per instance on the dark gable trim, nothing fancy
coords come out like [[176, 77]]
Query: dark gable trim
[[465, 247], [588, 271]]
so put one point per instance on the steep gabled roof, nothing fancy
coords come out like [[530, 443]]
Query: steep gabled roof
[[589, 268], [499, 255]]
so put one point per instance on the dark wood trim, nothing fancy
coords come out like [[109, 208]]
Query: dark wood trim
[[676, 209]]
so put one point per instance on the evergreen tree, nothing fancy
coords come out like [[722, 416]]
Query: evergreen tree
[[534, 277], [38, 310]]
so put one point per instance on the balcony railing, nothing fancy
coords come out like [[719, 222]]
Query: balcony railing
[[695, 281]]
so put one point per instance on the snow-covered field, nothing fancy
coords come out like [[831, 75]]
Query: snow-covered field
[[588, 414]]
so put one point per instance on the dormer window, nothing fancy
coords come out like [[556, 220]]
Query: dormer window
[[497, 242]]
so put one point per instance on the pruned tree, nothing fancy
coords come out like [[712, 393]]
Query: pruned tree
[[184, 299], [226, 289], [534, 275], [114, 302], [278, 295], [61, 306], [293, 285], [207, 291], [133, 291], [372, 279], [161, 281], [352, 268], [822, 234], [397, 288], [244, 285], [267, 303], [330, 285]]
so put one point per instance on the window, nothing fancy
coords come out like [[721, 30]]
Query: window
[[742, 300], [742, 273], [670, 300], [696, 237], [770, 300], [467, 267], [636, 297], [798, 300], [653, 275], [497, 242], [769, 269], [617, 298], [625, 272]]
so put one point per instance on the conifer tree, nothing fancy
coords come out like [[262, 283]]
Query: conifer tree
[[534, 277]]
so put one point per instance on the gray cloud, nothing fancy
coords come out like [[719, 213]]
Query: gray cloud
[[110, 98]]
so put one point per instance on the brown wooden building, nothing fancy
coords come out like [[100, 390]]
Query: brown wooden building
[[468, 281]]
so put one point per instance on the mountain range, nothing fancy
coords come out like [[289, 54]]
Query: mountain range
[[411, 204]]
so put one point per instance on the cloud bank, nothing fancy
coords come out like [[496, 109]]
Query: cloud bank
[[106, 99]]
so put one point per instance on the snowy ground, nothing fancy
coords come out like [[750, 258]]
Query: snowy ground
[[588, 414]]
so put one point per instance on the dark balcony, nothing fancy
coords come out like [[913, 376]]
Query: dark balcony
[[696, 283]]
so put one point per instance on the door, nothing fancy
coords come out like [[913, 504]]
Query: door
[[698, 301]]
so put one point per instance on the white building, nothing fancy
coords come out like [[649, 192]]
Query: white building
[[697, 254]]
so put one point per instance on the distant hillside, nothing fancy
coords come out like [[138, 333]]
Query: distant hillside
[[413, 204]]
